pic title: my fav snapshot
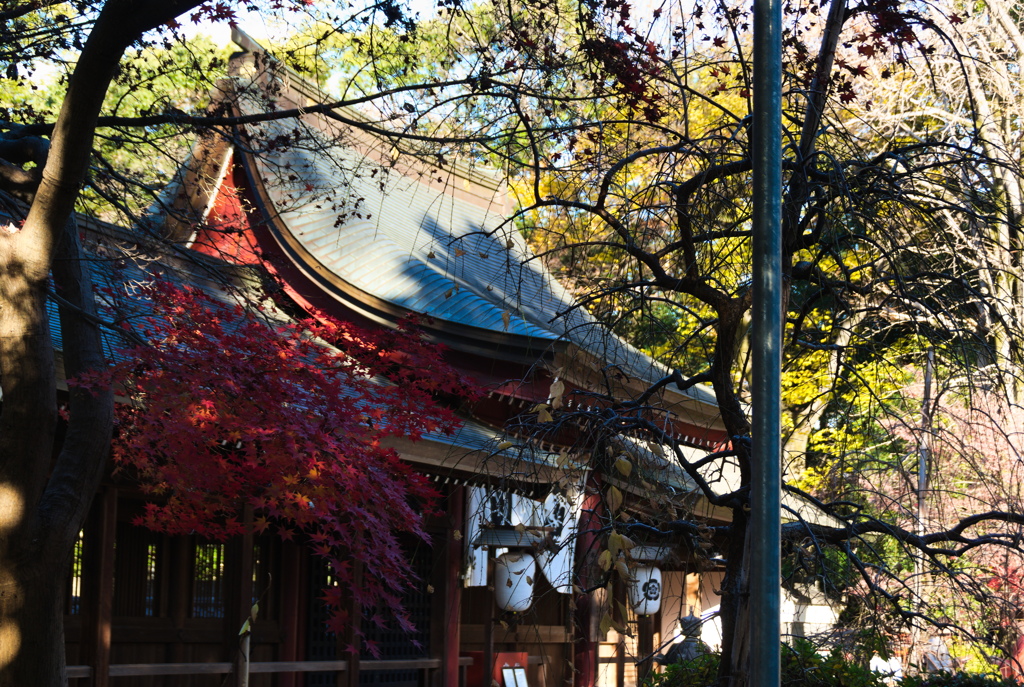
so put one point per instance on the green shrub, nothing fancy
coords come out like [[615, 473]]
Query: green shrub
[[802, 666], [698, 672], [958, 680]]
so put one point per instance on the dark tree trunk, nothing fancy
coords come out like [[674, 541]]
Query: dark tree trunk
[[32, 608], [43, 501]]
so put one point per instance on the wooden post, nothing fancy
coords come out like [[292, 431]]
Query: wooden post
[[451, 593], [291, 599], [98, 577], [238, 594], [587, 650], [645, 646], [351, 676], [488, 667], [180, 593]]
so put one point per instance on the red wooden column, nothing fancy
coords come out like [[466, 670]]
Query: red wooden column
[[451, 584], [98, 578], [585, 659]]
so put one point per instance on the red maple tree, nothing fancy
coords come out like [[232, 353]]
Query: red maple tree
[[230, 409]]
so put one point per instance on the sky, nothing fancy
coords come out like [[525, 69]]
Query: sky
[[260, 27]]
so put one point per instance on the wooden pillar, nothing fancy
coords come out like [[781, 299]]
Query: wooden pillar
[[238, 591], [617, 601], [645, 646], [488, 667], [350, 678], [98, 578], [180, 594], [585, 659], [446, 639], [291, 587]]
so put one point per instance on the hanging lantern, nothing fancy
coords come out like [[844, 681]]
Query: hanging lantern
[[514, 576], [645, 590]]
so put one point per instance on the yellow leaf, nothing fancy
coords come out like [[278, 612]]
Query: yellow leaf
[[510, 244], [657, 450], [456, 535], [605, 560], [555, 393], [623, 570], [542, 413], [520, 528], [623, 465], [614, 498], [504, 445], [615, 543], [459, 252], [606, 623], [506, 318], [529, 580], [430, 589]]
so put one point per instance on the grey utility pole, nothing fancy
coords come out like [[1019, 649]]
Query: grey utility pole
[[766, 487]]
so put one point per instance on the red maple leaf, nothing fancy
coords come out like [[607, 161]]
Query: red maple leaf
[[230, 410]]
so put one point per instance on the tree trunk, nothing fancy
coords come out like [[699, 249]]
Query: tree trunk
[[43, 502], [27, 425], [35, 548], [735, 605], [32, 608]]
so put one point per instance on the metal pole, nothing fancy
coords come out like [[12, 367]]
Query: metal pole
[[767, 321]]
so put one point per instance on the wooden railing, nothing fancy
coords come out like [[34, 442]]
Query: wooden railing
[[424, 665]]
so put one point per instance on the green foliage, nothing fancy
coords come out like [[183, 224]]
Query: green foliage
[[802, 666], [958, 680], [131, 164], [698, 672]]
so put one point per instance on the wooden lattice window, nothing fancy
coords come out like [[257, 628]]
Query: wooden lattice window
[[208, 580], [137, 554]]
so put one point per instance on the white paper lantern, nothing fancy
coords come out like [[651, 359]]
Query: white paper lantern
[[514, 577], [645, 591]]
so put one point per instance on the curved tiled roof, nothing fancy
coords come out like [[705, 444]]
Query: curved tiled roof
[[438, 252], [396, 238], [434, 241]]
